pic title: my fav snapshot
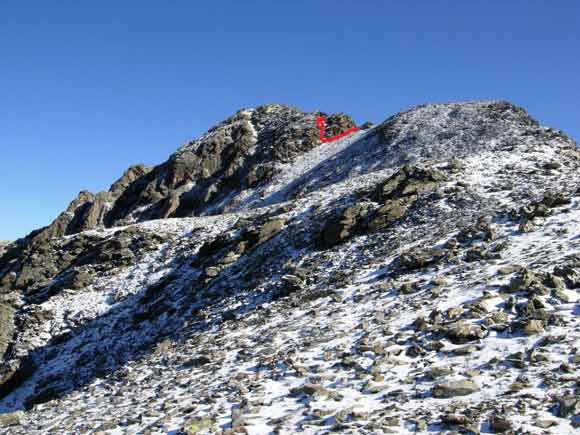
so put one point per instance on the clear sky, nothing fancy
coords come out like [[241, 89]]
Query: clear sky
[[88, 88]]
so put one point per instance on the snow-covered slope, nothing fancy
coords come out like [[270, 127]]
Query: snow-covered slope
[[420, 276]]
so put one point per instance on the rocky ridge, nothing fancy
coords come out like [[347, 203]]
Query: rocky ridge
[[420, 275]]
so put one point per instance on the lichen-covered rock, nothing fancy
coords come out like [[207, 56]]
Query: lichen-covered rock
[[409, 181], [345, 225], [7, 327], [11, 419], [526, 281], [197, 425], [268, 230]]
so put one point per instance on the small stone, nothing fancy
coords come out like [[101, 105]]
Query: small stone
[[455, 388], [500, 425], [455, 420], [566, 296], [212, 272], [545, 424], [420, 425], [293, 281], [197, 362], [506, 270], [195, 425], [533, 327], [439, 372], [526, 227], [463, 332]]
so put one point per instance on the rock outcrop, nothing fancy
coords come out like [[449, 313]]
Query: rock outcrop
[[260, 281]]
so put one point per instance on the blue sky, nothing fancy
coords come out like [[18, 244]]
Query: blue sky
[[89, 88]]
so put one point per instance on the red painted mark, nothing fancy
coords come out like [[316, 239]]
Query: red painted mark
[[321, 123]]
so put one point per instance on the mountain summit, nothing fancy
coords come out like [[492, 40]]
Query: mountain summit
[[416, 276]]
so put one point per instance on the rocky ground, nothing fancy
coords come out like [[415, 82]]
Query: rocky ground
[[418, 276]]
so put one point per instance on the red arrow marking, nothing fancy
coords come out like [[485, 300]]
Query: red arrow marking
[[321, 123]]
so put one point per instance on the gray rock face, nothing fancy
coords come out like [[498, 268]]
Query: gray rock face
[[6, 327], [3, 246]]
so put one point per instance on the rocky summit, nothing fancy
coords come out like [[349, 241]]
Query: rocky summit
[[421, 275]]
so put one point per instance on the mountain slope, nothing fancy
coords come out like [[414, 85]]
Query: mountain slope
[[420, 275]]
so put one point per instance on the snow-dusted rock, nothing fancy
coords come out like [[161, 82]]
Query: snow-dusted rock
[[260, 281]]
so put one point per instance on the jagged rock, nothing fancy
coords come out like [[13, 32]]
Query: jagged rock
[[526, 281], [197, 362], [11, 419], [462, 332], [419, 259], [543, 207], [196, 425], [481, 230], [293, 281], [13, 373], [552, 281], [130, 176], [390, 212], [455, 388], [439, 372], [567, 406], [211, 272], [570, 273], [455, 420], [4, 245], [409, 181], [7, 327], [480, 253], [508, 270], [266, 231], [526, 226], [337, 123], [79, 280], [345, 225], [533, 327], [545, 423], [566, 296], [260, 174], [500, 425], [314, 390]]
